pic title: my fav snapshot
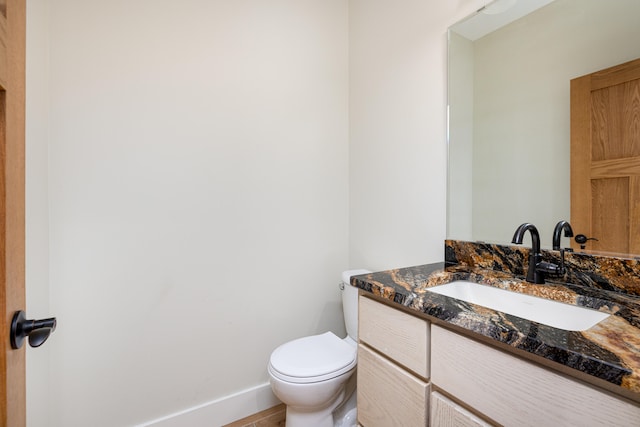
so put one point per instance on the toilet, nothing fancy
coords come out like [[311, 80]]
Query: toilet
[[314, 375]]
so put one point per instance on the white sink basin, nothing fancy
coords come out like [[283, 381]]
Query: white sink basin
[[541, 310]]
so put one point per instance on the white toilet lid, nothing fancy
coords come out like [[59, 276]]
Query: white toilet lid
[[314, 358]]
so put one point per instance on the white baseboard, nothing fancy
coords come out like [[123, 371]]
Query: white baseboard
[[221, 411]]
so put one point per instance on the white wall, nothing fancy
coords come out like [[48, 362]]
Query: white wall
[[198, 187], [397, 129], [37, 205], [199, 178]]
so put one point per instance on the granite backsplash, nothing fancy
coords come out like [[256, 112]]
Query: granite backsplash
[[609, 273]]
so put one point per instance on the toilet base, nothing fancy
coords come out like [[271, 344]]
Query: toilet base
[[346, 415], [341, 412], [300, 419]]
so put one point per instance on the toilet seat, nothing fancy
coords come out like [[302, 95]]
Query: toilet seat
[[312, 359]]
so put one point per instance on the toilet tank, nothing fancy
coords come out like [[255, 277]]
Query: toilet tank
[[350, 302]]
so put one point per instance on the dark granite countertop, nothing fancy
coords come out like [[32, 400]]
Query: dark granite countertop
[[609, 351]]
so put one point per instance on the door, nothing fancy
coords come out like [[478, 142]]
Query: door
[[605, 158], [12, 247]]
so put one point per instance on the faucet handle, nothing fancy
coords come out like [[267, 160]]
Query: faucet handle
[[551, 268]]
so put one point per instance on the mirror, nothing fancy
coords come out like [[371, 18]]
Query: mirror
[[509, 108]]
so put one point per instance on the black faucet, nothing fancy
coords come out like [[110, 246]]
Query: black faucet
[[533, 276], [537, 267], [568, 232]]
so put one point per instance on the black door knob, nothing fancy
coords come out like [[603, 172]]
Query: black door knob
[[37, 330], [581, 239]]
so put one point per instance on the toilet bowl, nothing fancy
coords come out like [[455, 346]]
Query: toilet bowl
[[314, 375]]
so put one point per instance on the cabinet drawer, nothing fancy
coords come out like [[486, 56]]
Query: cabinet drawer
[[446, 413], [388, 395], [400, 336], [515, 392]]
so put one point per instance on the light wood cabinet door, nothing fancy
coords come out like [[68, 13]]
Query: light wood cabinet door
[[515, 392], [446, 413], [388, 395], [398, 335]]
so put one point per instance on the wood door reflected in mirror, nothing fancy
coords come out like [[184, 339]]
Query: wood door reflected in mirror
[[509, 113], [605, 157]]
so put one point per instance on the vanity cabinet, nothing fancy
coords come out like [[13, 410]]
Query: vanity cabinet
[[515, 392], [393, 367], [413, 373]]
